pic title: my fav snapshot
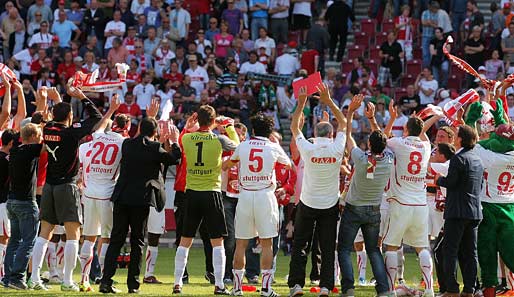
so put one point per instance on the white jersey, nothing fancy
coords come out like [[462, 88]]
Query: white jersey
[[410, 168], [498, 175], [257, 158], [84, 159], [44, 40], [104, 162]]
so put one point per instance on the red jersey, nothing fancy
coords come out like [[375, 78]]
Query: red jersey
[[129, 44], [405, 32], [36, 66], [41, 169], [133, 77], [132, 109], [180, 177], [307, 60], [286, 178], [177, 77], [67, 70]]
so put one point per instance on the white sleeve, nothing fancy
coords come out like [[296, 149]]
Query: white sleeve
[[188, 18], [282, 157], [339, 144], [394, 143], [303, 145], [31, 41], [107, 27], [235, 154]]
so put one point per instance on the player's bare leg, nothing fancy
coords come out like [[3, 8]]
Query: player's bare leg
[[239, 266], [3, 246], [152, 252], [38, 254]]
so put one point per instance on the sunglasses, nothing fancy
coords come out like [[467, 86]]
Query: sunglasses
[[138, 46], [213, 22], [103, 62]]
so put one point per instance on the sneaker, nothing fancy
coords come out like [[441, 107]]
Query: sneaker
[[253, 280], [185, 279], [228, 281], [221, 291], [500, 289], [315, 282], [210, 277], [324, 292], [70, 288], [54, 279], [18, 286], [235, 292], [177, 289], [106, 289], [428, 293], [403, 290], [362, 281], [86, 287], [270, 293], [372, 281], [39, 286], [296, 291], [151, 280], [401, 281], [349, 293]]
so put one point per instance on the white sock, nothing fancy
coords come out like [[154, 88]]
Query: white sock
[[391, 263], [59, 259], [86, 257], [510, 279], [71, 250], [362, 258], [238, 279], [151, 258], [51, 260], [267, 280], [37, 258], [336, 269], [180, 264], [218, 263], [3, 247], [101, 258], [401, 262], [425, 263]]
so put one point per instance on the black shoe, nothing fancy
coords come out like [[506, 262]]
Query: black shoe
[[133, 291], [210, 277], [219, 291], [177, 289], [104, 288], [501, 289], [185, 279]]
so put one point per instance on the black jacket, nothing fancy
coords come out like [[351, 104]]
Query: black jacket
[[464, 185], [12, 40], [141, 170], [97, 22], [337, 16]]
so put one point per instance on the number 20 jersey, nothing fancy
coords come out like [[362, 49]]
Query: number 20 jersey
[[407, 180], [102, 164]]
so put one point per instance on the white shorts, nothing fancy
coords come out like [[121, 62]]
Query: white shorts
[[97, 217], [256, 214], [359, 237], [408, 224], [156, 221], [435, 222], [59, 230], [5, 224], [384, 216]]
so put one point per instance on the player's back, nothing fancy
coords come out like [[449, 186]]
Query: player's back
[[498, 174], [407, 182], [257, 158], [102, 165]]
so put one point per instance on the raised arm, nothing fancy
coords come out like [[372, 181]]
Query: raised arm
[[21, 111], [295, 122], [324, 91], [429, 123], [354, 105], [115, 104], [393, 112], [6, 105], [369, 112]]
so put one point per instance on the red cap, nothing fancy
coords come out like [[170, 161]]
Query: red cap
[[506, 5], [292, 44], [55, 38], [61, 2]]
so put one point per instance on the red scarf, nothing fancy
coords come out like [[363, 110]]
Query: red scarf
[[143, 63]]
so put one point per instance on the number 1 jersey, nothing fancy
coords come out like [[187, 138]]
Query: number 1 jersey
[[408, 173], [257, 158]]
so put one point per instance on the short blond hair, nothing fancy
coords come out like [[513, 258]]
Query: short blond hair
[[30, 130]]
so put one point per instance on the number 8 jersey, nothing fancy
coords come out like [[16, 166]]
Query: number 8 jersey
[[102, 164], [407, 179]]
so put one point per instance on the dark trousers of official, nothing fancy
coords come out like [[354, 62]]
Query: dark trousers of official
[[460, 245], [326, 224], [439, 255], [204, 234], [229, 205], [125, 217], [315, 257]]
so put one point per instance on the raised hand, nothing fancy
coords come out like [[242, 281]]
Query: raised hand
[[324, 93], [393, 110], [369, 112], [5, 80], [326, 117], [115, 103], [192, 123], [75, 92], [153, 109], [302, 95], [173, 134], [53, 94], [355, 103]]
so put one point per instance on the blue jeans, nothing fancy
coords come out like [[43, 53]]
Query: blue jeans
[[229, 205], [440, 73], [367, 218], [457, 19], [256, 24], [24, 217], [425, 50]]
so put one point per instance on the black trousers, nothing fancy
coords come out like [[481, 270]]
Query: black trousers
[[315, 256], [460, 246], [325, 221], [125, 216], [204, 235], [335, 36]]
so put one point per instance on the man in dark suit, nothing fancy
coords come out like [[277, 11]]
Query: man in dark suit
[[462, 213], [136, 190], [94, 22]]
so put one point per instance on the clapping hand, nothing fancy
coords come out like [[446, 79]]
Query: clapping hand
[[53, 94], [324, 94], [302, 95], [115, 103], [393, 110], [192, 123]]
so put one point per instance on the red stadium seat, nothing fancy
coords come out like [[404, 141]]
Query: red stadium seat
[[387, 25], [454, 69], [347, 66], [414, 67], [362, 39], [369, 26], [408, 79], [399, 93], [417, 53], [374, 53], [373, 65], [355, 51], [455, 82], [380, 38]]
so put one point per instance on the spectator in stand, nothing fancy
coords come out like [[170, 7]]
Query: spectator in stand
[[381, 114], [337, 16], [264, 58], [180, 19], [144, 93], [162, 56], [114, 29], [132, 109], [494, 66], [476, 18], [201, 42], [213, 30], [248, 44], [439, 62], [498, 23], [356, 73], [279, 13], [400, 122], [507, 45], [66, 69], [181, 59], [259, 16], [18, 40], [188, 94], [392, 55], [443, 21], [34, 26], [118, 53], [75, 14], [43, 79], [429, 19], [8, 5], [507, 13], [310, 59], [267, 42], [60, 6], [233, 17], [24, 59], [55, 52], [403, 23], [237, 53], [129, 42], [474, 48], [64, 29], [126, 15], [138, 6], [222, 41], [144, 60], [154, 14], [198, 75], [320, 38], [173, 75], [302, 15], [410, 102], [40, 6], [89, 65], [152, 41], [252, 65], [94, 22], [37, 64], [141, 26], [427, 87], [458, 13], [42, 38], [8, 26]]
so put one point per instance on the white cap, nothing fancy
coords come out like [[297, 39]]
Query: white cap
[[481, 75], [481, 68], [444, 94]]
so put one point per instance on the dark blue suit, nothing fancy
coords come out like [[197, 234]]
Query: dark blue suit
[[462, 215]]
